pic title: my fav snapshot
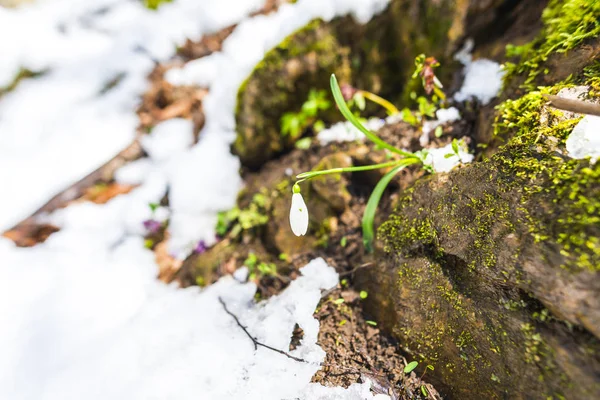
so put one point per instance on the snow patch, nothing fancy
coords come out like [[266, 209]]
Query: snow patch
[[438, 159], [346, 132], [584, 141], [483, 77], [126, 336], [168, 138], [95, 55], [443, 115]]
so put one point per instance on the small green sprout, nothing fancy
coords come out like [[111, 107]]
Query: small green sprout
[[339, 301], [424, 69], [372, 323], [237, 220], [456, 145], [293, 124], [343, 241], [363, 294], [410, 367], [257, 269], [424, 390]]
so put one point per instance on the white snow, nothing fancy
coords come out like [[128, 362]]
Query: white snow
[[82, 315], [443, 115], [346, 132], [201, 72], [436, 157], [167, 138], [483, 77], [126, 336], [59, 127], [584, 141]]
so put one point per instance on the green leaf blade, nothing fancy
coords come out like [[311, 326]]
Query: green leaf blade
[[341, 103], [410, 367], [371, 209]]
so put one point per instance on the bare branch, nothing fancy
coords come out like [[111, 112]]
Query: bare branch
[[254, 341], [576, 106]]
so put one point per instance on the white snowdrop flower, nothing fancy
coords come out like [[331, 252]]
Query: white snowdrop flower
[[298, 213]]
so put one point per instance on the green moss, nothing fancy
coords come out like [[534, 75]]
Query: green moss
[[533, 156], [567, 23], [279, 84]]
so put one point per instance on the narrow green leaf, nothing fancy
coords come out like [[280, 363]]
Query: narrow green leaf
[[341, 103], [371, 209], [424, 391], [455, 146], [410, 367]]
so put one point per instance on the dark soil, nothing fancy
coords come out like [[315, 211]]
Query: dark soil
[[357, 350]]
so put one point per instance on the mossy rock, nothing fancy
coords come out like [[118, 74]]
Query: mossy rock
[[492, 273], [467, 284], [378, 56]]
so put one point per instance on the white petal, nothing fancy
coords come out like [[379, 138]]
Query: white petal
[[298, 215]]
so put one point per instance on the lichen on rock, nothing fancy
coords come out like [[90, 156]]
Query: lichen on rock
[[491, 272]]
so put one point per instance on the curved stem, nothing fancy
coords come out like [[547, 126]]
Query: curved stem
[[311, 174], [341, 103], [391, 109]]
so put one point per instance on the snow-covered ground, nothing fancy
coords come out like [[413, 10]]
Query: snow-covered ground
[[82, 314], [57, 128]]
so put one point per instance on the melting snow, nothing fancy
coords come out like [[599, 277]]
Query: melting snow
[[58, 127], [441, 160], [346, 132], [584, 141], [483, 77], [443, 115]]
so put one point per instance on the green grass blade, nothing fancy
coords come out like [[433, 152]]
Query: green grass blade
[[341, 103], [371, 209]]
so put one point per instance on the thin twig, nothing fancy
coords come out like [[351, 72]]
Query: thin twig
[[356, 269], [254, 341], [576, 106]]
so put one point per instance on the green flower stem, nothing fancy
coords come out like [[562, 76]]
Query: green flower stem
[[341, 103], [311, 174], [369, 214], [391, 109]]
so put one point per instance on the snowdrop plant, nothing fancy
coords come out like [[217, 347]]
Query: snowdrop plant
[[399, 159]]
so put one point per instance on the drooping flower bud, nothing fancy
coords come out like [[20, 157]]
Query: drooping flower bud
[[298, 213]]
